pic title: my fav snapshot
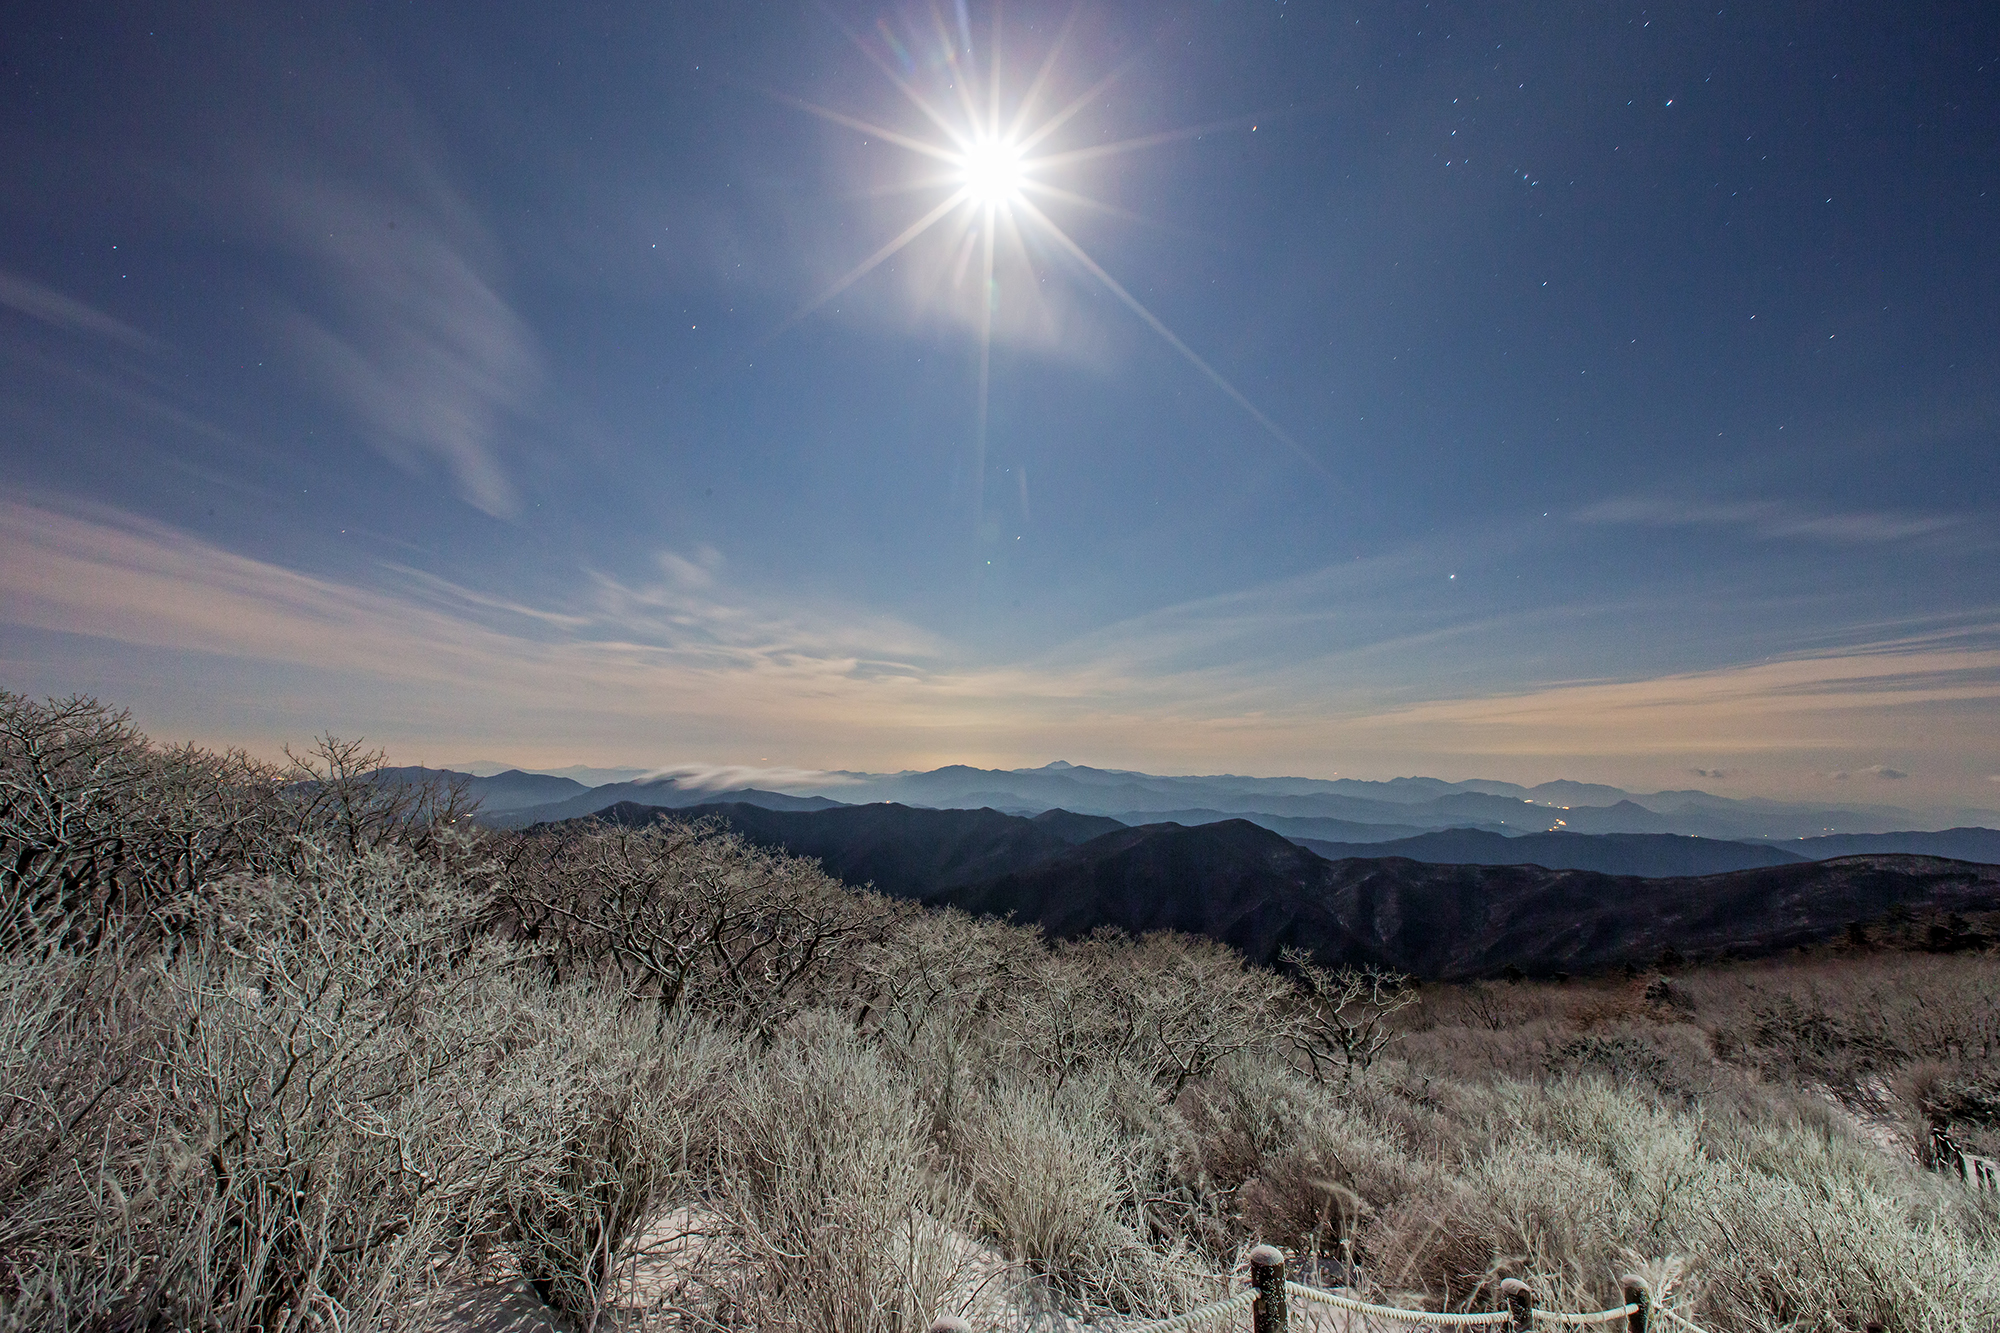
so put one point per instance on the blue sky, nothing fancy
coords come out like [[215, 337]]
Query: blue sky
[[1522, 390]]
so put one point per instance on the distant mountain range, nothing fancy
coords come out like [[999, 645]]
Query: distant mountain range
[[1963, 844], [501, 792], [1245, 885], [1559, 825], [1339, 810], [660, 793], [1645, 854]]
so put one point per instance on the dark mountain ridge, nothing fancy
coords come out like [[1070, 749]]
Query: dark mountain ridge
[[1960, 844], [1245, 885], [512, 790], [1290, 826], [1651, 855], [1232, 881], [1248, 887], [902, 850]]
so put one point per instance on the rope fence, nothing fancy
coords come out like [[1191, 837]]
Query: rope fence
[[1686, 1324], [1267, 1302], [1601, 1317], [1435, 1319], [1195, 1318]]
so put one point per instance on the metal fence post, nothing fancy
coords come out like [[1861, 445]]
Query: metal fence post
[[1521, 1303], [1636, 1293], [1267, 1275]]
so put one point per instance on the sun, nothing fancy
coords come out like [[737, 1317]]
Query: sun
[[992, 171]]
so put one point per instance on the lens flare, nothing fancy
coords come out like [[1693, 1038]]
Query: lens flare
[[992, 171]]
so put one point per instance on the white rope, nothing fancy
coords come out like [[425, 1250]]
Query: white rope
[[1391, 1312], [1601, 1317], [1684, 1323], [1181, 1322]]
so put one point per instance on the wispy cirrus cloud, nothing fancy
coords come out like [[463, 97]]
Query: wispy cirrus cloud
[[50, 307], [646, 660], [689, 605], [103, 358], [1770, 519], [411, 333], [391, 290], [1858, 696], [690, 671]]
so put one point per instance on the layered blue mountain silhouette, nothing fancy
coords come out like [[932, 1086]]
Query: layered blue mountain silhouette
[[1339, 810]]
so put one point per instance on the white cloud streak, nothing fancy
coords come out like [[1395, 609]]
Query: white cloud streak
[[651, 654], [1769, 519], [413, 336], [49, 306], [1858, 696], [735, 777], [688, 664]]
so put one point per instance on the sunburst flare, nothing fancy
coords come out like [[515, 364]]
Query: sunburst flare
[[989, 170]]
